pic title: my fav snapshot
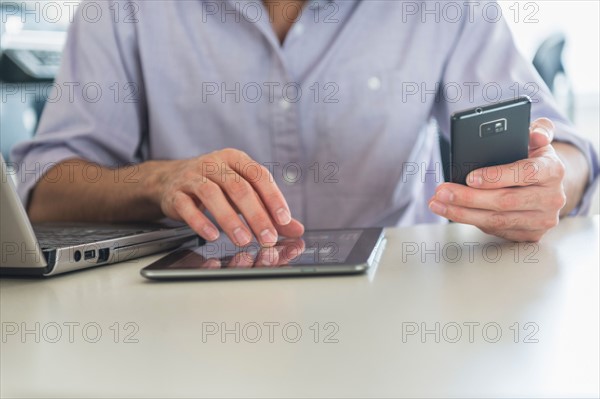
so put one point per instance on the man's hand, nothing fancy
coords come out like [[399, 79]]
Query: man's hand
[[226, 183], [519, 201]]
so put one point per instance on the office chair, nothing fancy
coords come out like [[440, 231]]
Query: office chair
[[548, 62], [548, 58]]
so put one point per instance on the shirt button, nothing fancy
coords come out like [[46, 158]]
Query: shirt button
[[284, 104], [374, 83]]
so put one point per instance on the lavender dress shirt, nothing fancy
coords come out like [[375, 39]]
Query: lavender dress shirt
[[345, 112]]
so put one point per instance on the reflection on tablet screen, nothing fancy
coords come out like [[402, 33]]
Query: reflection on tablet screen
[[318, 247]]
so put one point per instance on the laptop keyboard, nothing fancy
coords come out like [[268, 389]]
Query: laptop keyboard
[[52, 237]]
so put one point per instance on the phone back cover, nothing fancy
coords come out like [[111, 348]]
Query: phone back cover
[[470, 151]]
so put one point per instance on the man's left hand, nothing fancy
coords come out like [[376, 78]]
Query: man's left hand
[[520, 201]]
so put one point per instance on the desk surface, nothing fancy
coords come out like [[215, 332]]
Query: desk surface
[[366, 335]]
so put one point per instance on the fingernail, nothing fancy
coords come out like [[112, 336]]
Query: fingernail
[[265, 261], [437, 207], [242, 237], [212, 263], [283, 216], [267, 237], [445, 195], [542, 130], [269, 258], [211, 233], [293, 253], [475, 180], [241, 259]]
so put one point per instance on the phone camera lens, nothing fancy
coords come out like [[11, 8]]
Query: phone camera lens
[[478, 110]]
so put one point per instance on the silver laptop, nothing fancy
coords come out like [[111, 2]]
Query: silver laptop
[[50, 249]]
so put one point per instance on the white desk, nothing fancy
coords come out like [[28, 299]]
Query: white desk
[[559, 293]]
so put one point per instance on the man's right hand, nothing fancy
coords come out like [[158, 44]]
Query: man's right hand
[[226, 183]]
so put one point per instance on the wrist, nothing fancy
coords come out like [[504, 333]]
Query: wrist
[[576, 174], [153, 177]]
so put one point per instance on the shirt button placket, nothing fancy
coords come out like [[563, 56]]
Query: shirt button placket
[[287, 151]]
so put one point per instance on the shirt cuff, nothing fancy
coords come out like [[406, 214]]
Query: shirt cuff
[[562, 134]]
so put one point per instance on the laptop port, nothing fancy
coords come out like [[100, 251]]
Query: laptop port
[[91, 254], [77, 256], [103, 255]]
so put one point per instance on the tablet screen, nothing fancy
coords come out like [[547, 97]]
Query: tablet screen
[[316, 247], [313, 248], [340, 251]]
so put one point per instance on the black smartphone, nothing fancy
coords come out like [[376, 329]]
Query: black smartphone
[[490, 135]]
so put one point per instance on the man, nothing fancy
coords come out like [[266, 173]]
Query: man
[[209, 111]]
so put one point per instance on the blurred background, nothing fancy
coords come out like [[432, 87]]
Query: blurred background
[[562, 38], [576, 23]]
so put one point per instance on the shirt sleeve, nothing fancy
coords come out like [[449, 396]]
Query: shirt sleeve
[[485, 66], [95, 109]]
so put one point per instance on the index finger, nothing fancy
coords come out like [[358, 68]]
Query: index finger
[[525, 172], [264, 184], [290, 249]]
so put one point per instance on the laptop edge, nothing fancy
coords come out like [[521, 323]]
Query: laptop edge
[[21, 253]]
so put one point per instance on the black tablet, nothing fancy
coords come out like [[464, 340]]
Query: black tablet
[[317, 252]]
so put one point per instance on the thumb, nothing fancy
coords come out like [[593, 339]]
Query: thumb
[[541, 133]]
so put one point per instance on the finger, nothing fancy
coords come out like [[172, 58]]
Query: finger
[[267, 256], [290, 249], [504, 199], [242, 194], [526, 172], [492, 221], [293, 230], [187, 209], [216, 203], [263, 182], [541, 133], [242, 259], [212, 263]]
